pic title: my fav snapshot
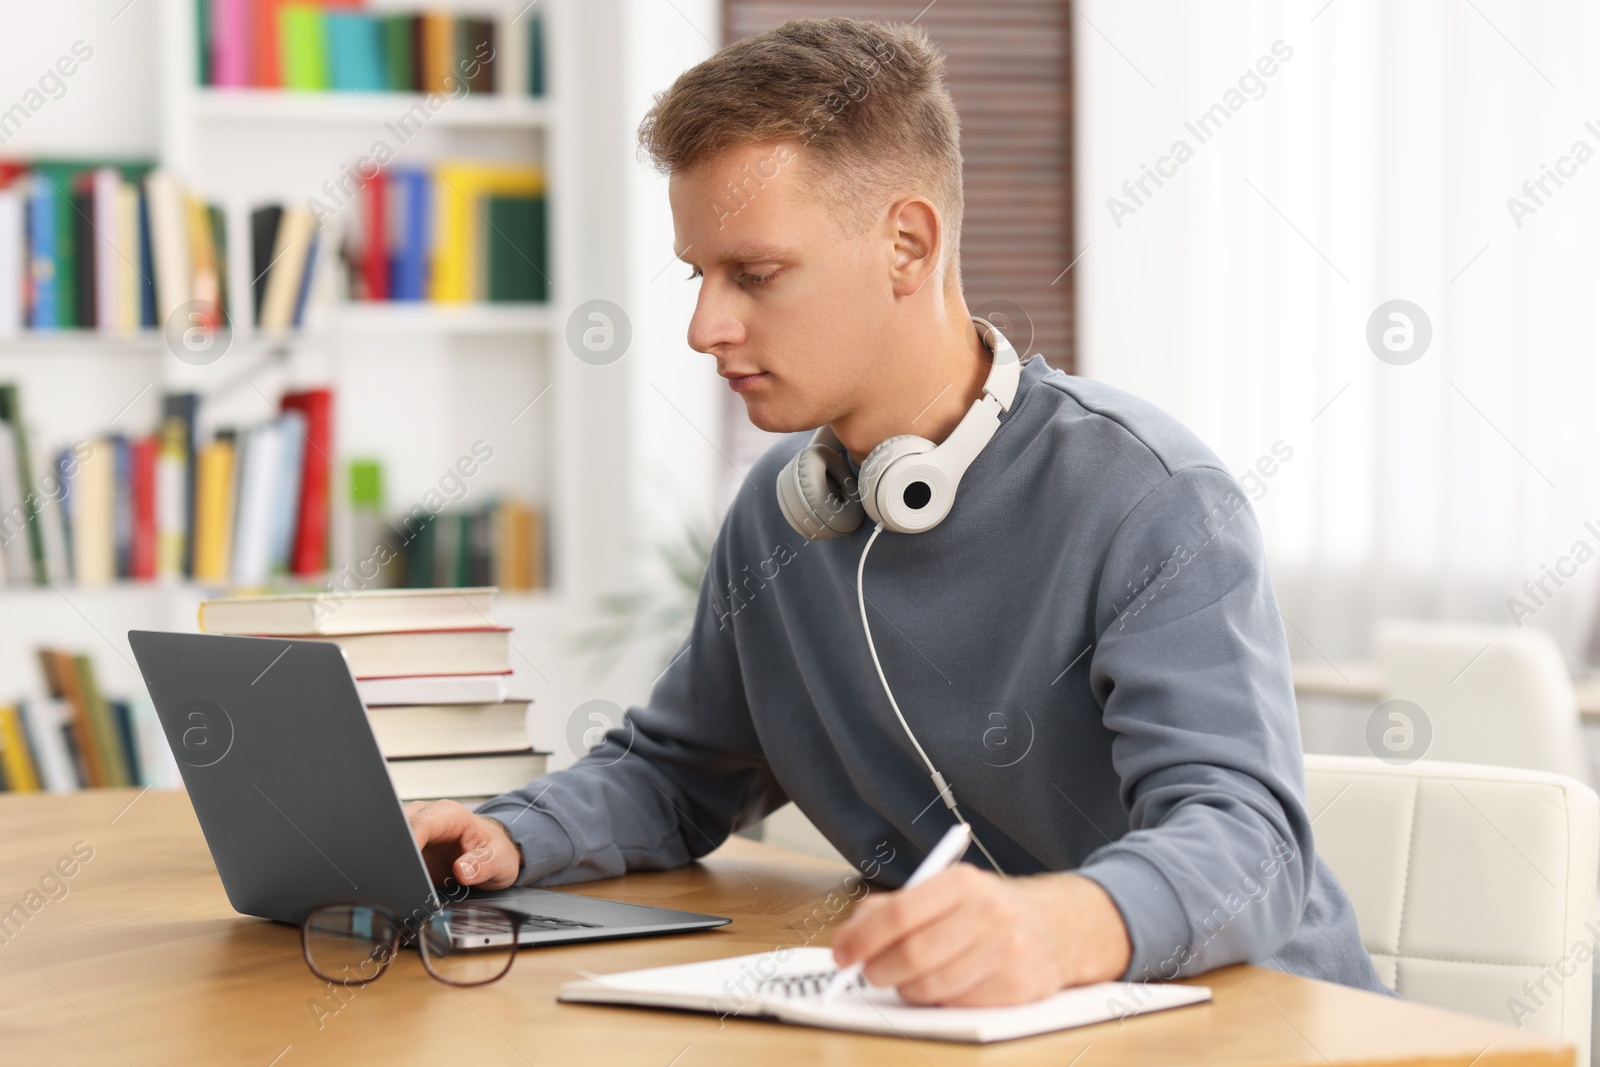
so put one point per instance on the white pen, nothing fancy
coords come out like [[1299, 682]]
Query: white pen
[[951, 847]]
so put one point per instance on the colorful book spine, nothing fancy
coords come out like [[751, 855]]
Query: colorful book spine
[[230, 43], [266, 57], [105, 735], [147, 264], [535, 54], [411, 229], [355, 52], [304, 41], [400, 55], [214, 504], [43, 313], [61, 677], [122, 505], [172, 499], [310, 554], [16, 757], [144, 535], [375, 252]]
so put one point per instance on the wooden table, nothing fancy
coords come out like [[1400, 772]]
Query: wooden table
[[1364, 681], [143, 962]]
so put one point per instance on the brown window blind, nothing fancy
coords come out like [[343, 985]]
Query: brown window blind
[[1009, 68]]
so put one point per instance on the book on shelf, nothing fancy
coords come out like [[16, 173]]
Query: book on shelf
[[501, 543], [337, 45], [18, 768], [462, 232], [432, 670], [285, 243], [241, 505], [308, 547], [79, 736], [534, 38]]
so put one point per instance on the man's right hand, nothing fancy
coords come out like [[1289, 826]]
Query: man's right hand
[[458, 843]]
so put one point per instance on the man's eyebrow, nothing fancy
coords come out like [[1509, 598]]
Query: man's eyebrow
[[745, 254]]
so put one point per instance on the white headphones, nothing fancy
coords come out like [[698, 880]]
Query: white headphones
[[908, 485]]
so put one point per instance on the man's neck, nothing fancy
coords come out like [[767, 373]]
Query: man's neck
[[925, 388]]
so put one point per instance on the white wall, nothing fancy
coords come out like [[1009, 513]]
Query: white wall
[[1377, 164]]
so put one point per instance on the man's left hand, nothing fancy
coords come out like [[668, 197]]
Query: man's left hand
[[969, 937]]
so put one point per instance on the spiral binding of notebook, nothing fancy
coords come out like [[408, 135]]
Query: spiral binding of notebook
[[807, 984]]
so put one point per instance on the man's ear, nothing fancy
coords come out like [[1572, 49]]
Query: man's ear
[[918, 235]]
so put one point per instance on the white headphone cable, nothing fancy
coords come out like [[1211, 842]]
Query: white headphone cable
[[945, 792]]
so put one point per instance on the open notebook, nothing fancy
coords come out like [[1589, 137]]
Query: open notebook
[[792, 994]]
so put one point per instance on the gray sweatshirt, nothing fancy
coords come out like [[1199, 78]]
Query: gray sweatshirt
[[1089, 650]]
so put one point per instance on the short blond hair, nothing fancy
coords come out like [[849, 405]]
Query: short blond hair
[[868, 98]]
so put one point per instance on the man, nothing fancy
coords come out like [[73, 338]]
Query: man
[[1098, 595]]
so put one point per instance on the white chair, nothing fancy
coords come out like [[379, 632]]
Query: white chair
[[1473, 886], [1491, 694]]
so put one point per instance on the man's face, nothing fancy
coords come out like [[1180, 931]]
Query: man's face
[[791, 305]]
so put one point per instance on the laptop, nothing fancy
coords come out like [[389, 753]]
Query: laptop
[[295, 800]]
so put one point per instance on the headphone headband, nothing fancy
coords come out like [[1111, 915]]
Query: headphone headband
[[1005, 370]]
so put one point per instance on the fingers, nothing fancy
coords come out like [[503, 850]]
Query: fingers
[[958, 977], [434, 821], [487, 856], [457, 843], [885, 919], [927, 951]]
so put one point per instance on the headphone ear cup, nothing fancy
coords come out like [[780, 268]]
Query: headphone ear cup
[[877, 464], [812, 494]]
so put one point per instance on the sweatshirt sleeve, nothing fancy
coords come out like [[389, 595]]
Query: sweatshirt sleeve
[[666, 785], [1191, 669]]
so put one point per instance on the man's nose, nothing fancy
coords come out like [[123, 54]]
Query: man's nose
[[712, 325]]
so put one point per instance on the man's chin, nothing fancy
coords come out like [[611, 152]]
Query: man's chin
[[777, 418]]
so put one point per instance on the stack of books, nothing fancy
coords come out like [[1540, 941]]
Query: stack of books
[[331, 44], [241, 506], [77, 737], [458, 233], [433, 671]]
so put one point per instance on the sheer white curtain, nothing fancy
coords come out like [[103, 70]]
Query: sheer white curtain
[[1373, 163]]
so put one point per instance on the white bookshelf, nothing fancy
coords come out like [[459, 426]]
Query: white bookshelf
[[477, 319], [351, 108], [414, 384]]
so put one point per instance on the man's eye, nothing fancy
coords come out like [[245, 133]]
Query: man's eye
[[693, 275], [756, 279]]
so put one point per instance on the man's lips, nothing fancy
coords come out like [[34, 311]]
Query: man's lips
[[739, 381]]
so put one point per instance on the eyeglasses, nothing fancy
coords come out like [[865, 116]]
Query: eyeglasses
[[461, 944]]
